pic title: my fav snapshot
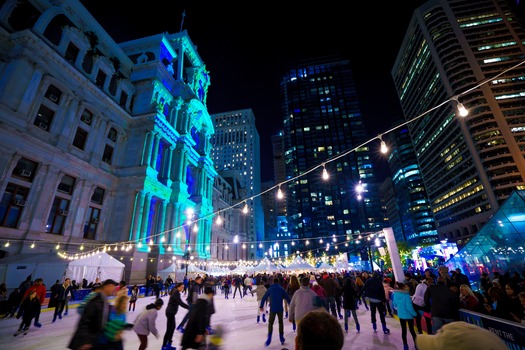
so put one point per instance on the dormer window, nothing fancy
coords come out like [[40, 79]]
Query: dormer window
[[112, 134], [53, 94]]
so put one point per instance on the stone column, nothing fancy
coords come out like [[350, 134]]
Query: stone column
[[145, 215], [148, 144], [137, 216], [153, 160]]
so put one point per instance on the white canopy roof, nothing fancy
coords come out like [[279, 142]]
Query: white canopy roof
[[299, 264], [265, 266], [100, 265]]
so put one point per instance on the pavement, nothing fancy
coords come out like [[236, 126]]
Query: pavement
[[237, 317]]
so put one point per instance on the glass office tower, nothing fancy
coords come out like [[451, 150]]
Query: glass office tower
[[323, 129]]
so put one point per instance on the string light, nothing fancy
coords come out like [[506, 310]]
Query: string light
[[463, 112], [384, 148], [219, 220], [325, 173], [280, 194]]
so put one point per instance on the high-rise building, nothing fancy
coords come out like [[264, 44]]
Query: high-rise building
[[236, 145], [460, 52], [324, 130], [408, 207]]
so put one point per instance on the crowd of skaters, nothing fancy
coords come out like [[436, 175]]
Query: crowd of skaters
[[433, 295]]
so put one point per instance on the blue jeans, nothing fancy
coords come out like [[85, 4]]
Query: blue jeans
[[438, 322]]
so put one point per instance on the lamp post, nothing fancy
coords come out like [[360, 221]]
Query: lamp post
[[186, 257]]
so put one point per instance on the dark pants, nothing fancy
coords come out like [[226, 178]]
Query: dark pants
[[186, 317], [170, 328], [404, 330], [428, 321], [380, 307], [331, 305], [237, 288], [272, 320], [59, 308]]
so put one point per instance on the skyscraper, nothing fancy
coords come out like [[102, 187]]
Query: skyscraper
[[236, 145], [323, 129], [454, 52]]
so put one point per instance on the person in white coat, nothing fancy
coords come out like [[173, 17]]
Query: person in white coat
[[145, 323], [302, 302]]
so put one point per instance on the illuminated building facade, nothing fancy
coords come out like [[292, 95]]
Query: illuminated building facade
[[408, 207], [103, 145], [469, 165], [236, 146], [322, 120]]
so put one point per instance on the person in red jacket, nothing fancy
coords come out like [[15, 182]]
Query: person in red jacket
[[40, 289]]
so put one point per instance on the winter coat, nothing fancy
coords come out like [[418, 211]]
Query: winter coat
[[91, 323], [330, 285], [277, 294], [349, 294], [373, 290], [196, 324], [419, 295], [260, 290], [174, 302], [145, 322], [403, 304], [302, 302], [443, 301], [29, 308]]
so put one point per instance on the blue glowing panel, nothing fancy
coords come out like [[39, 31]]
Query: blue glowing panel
[[158, 163]]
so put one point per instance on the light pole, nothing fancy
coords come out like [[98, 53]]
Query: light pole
[[360, 190], [186, 257]]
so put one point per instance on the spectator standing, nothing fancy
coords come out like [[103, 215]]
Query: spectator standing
[[226, 284], [375, 293], [40, 290], [13, 302], [444, 303], [171, 310], [260, 290], [194, 334], [418, 302], [146, 323], [94, 316], [277, 296], [460, 278], [149, 285], [30, 307], [158, 287], [350, 297], [54, 293], [134, 295], [405, 311], [467, 298]]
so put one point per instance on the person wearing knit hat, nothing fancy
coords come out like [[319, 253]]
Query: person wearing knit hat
[[460, 335]]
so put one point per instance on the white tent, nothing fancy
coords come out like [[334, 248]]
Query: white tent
[[101, 265], [194, 269], [326, 267], [175, 273], [48, 266], [299, 264], [265, 266]]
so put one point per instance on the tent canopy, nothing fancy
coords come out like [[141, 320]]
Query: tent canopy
[[100, 265], [325, 267], [48, 266], [265, 266], [299, 264]]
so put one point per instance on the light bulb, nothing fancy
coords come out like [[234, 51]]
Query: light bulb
[[463, 112], [219, 220], [245, 209], [325, 173], [384, 148], [280, 194]]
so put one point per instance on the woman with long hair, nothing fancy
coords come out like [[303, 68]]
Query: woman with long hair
[[360, 298], [467, 298]]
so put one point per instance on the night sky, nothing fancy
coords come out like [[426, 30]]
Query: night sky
[[247, 47]]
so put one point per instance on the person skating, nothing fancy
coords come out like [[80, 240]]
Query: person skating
[[375, 293], [30, 308], [171, 310], [260, 290], [195, 333], [146, 323], [405, 311], [350, 296], [277, 295]]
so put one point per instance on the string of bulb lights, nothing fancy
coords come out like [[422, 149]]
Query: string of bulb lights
[[127, 245]]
